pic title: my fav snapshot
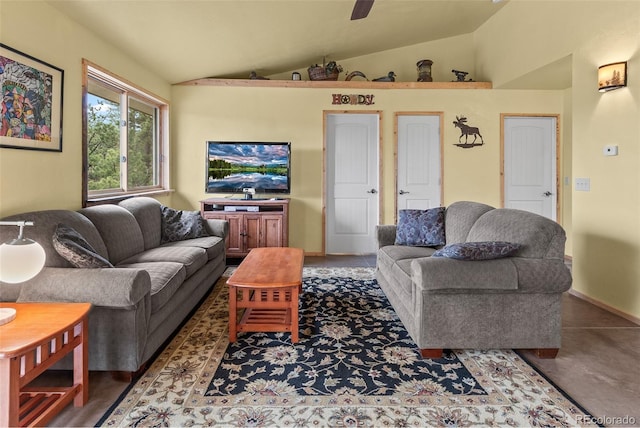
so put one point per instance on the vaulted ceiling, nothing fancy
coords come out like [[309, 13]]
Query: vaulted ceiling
[[190, 39]]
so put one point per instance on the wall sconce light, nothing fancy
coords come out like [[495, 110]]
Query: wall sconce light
[[612, 76], [20, 259]]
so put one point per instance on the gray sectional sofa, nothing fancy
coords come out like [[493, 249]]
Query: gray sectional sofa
[[144, 297], [511, 302]]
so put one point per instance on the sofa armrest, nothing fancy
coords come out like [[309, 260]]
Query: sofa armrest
[[385, 234], [109, 287], [542, 275], [441, 274], [218, 227]]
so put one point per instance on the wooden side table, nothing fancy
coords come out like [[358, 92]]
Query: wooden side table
[[39, 336], [266, 285]]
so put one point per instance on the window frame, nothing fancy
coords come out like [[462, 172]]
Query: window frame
[[91, 71]]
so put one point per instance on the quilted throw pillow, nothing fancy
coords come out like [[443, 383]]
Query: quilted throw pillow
[[178, 225], [485, 250], [72, 246], [421, 228]]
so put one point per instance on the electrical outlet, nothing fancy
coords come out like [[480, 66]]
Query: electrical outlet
[[583, 184]]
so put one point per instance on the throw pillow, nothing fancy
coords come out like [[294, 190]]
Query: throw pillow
[[421, 228], [72, 246], [485, 250], [178, 225]]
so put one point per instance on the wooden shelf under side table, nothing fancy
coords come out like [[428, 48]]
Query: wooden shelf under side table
[[266, 284], [39, 336]]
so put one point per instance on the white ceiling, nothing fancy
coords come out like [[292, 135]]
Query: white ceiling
[[190, 39]]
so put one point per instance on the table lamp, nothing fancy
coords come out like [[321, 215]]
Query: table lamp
[[20, 259]]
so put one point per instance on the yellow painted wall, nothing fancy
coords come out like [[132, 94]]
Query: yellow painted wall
[[605, 221], [202, 113], [34, 180]]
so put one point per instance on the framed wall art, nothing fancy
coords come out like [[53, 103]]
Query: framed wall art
[[31, 102]]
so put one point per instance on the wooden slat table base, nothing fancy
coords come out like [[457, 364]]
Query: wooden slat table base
[[266, 310], [41, 335], [266, 286]]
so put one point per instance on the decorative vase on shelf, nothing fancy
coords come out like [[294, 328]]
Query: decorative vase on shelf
[[424, 70]]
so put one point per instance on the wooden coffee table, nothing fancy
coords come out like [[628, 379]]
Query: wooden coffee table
[[267, 285], [39, 336]]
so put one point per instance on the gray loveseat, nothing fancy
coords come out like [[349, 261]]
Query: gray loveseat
[[138, 303], [512, 302]]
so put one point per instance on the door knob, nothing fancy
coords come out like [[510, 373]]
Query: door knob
[[372, 191], [547, 193], [402, 192]]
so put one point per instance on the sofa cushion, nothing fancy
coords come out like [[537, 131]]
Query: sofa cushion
[[399, 252], [486, 250], [166, 278], [460, 217], [193, 258], [539, 236], [421, 227], [213, 245], [178, 225], [148, 214], [71, 245], [119, 230], [401, 272]]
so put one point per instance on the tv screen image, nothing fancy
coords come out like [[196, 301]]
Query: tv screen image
[[235, 166]]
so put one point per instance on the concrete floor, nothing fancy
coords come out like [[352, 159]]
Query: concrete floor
[[598, 364]]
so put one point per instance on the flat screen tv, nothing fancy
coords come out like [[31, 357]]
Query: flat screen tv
[[235, 167]]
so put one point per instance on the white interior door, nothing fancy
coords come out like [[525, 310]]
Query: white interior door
[[352, 203], [418, 169], [530, 182]]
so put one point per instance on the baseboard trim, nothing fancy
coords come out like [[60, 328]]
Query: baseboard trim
[[604, 306]]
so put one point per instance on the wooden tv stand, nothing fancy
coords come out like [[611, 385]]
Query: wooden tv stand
[[253, 223]]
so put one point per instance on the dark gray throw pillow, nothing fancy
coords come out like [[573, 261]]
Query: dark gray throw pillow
[[485, 250], [178, 225], [72, 246], [421, 228]]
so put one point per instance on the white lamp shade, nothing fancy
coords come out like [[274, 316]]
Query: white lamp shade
[[20, 263]]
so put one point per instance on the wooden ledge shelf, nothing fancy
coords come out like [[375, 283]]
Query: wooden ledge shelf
[[328, 84]]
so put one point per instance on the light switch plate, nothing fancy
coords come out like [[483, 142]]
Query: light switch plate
[[610, 150], [583, 184]]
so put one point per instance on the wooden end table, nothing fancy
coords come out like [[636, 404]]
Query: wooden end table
[[39, 336], [266, 284]]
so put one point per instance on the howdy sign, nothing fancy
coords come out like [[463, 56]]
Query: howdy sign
[[354, 99]]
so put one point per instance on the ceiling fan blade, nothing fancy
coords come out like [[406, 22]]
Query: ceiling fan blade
[[361, 9]]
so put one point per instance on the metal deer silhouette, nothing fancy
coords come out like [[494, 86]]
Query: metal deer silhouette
[[466, 131]]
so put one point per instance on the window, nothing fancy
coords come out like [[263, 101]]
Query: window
[[124, 138]]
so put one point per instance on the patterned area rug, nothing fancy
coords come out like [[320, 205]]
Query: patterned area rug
[[354, 365]]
